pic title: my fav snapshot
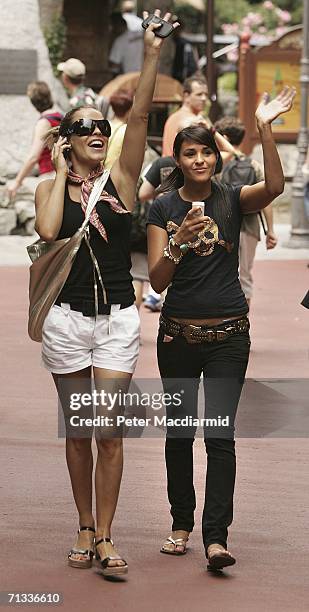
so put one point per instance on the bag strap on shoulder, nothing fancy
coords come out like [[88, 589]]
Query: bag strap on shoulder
[[97, 189]]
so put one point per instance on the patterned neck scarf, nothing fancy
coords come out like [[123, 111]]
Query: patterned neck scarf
[[86, 187]]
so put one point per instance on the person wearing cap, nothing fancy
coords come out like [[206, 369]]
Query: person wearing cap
[[73, 73]]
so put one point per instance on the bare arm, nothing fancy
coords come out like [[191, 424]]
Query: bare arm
[[225, 147], [49, 196], [271, 238], [161, 269], [146, 192], [256, 197], [126, 169], [268, 213], [36, 149]]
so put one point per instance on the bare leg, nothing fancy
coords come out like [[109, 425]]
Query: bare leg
[[78, 455], [109, 463]]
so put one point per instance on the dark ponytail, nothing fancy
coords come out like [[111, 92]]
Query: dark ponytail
[[223, 209], [175, 180]]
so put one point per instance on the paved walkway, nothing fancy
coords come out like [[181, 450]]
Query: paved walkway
[[270, 533]]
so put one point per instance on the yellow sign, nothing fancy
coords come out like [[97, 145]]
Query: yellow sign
[[271, 77]]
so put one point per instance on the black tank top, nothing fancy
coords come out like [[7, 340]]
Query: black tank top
[[113, 257]]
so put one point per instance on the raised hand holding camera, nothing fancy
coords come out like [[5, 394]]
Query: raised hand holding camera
[[157, 29], [164, 28]]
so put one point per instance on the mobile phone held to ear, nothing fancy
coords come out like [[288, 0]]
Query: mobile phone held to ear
[[163, 31], [66, 154]]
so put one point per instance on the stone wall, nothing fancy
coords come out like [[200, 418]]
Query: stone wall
[[20, 29], [49, 8]]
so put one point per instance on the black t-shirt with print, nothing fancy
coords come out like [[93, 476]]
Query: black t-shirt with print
[[203, 286], [160, 169]]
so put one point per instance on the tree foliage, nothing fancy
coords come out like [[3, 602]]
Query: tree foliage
[[55, 37], [236, 10]]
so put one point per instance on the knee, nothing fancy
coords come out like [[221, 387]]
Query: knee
[[109, 447], [79, 445]]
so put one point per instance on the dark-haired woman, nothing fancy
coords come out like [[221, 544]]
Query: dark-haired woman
[[204, 326], [81, 332]]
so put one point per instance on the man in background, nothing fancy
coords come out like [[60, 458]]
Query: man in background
[[126, 54], [195, 97], [73, 73], [234, 131]]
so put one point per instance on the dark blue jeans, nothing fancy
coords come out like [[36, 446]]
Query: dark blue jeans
[[223, 365]]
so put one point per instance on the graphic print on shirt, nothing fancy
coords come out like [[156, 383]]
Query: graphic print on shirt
[[206, 239]]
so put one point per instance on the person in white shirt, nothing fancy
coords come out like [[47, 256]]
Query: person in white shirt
[[134, 22], [126, 54]]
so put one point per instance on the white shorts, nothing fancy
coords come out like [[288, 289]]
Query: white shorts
[[72, 341]]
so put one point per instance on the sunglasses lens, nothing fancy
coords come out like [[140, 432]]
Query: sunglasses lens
[[83, 127], [104, 127]]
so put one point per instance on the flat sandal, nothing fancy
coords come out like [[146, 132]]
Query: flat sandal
[[220, 559], [176, 542], [110, 570], [89, 552]]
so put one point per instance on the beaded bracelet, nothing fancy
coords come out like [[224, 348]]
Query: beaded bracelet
[[168, 253]]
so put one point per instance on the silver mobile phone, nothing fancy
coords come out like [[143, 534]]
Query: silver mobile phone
[[198, 205]]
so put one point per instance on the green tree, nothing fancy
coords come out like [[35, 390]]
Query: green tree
[[55, 37], [230, 12], [295, 7]]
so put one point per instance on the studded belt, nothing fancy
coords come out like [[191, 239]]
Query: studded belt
[[196, 334]]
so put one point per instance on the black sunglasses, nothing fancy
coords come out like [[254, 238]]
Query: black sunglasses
[[85, 127]]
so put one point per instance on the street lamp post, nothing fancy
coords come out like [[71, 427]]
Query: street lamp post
[[209, 30], [299, 237], [211, 68]]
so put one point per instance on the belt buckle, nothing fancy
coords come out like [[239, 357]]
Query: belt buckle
[[188, 333], [221, 335], [210, 335], [243, 325]]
